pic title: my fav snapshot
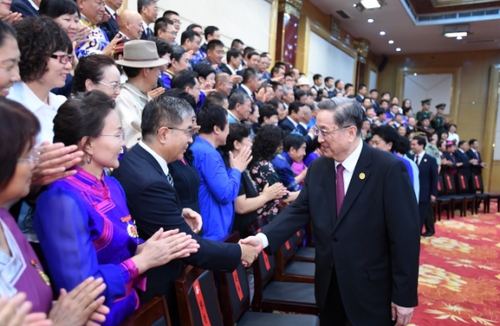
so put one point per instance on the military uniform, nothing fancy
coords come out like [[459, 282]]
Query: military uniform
[[438, 123], [422, 114]]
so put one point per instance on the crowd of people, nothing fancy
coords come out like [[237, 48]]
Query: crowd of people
[[128, 152]]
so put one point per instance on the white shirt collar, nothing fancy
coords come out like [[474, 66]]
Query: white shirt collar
[[461, 150], [111, 11], [294, 123], [350, 162], [233, 72], [33, 4], [249, 92], [473, 150], [158, 158]]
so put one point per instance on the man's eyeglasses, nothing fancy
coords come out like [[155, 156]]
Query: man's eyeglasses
[[114, 85], [120, 134], [177, 21], [188, 132], [63, 58], [324, 133], [33, 158]]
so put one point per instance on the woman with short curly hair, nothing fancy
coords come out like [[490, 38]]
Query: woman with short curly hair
[[46, 55]]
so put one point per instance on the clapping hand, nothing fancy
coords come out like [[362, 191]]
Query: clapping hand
[[15, 312], [12, 17], [241, 161], [193, 219], [156, 92], [55, 160]]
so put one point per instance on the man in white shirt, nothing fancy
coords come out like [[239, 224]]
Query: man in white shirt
[[142, 66]]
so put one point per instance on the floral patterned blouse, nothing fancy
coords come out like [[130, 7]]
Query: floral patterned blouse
[[262, 173]]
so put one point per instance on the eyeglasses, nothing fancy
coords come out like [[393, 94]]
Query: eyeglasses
[[177, 21], [188, 132], [114, 85], [171, 33], [63, 58], [324, 133], [120, 134], [33, 158]]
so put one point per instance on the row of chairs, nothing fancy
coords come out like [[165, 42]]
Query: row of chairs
[[283, 282], [458, 192]]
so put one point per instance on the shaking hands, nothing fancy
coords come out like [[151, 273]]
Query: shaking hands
[[250, 250]]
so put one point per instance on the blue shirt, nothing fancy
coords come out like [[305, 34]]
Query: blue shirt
[[413, 172], [283, 165], [208, 62], [166, 78], [219, 188]]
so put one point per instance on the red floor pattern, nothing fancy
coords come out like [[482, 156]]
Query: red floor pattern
[[459, 281]]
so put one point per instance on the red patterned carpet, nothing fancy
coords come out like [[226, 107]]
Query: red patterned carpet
[[459, 280]]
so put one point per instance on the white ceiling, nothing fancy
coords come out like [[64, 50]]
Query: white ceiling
[[398, 26]]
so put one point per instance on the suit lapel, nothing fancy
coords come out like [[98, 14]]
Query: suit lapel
[[148, 157], [359, 179]]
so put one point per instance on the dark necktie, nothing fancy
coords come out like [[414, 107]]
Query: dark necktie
[[477, 155], [339, 189], [416, 159], [115, 15], [170, 179]]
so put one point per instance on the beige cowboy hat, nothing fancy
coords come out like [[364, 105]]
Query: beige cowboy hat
[[141, 54], [302, 81]]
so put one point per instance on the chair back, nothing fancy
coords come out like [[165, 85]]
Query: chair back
[[234, 290], [154, 312], [197, 298], [449, 184], [257, 225], [463, 184], [477, 183], [440, 186]]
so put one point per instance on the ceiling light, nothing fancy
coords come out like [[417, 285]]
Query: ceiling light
[[414, 74], [391, 42], [382, 33], [398, 49], [454, 31], [371, 4], [354, 5], [370, 21], [459, 37]]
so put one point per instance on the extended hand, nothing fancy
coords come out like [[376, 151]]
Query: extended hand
[[401, 314], [254, 242], [193, 219], [248, 254]]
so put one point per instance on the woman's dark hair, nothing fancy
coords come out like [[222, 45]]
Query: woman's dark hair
[[266, 143], [237, 132], [210, 116], [162, 46], [57, 8], [81, 116], [90, 67], [5, 31], [203, 70], [38, 39], [18, 129]]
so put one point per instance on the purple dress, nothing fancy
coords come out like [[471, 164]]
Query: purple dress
[[85, 229], [22, 271]]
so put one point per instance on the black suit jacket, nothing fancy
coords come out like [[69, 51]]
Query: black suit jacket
[[287, 125], [154, 203], [23, 7], [373, 244], [463, 158], [110, 27], [475, 169], [359, 98], [223, 67], [428, 177]]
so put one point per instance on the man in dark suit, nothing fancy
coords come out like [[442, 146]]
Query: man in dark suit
[[365, 221], [473, 153], [167, 129], [149, 11], [428, 176], [361, 93], [25, 7], [110, 27], [462, 157], [249, 83]]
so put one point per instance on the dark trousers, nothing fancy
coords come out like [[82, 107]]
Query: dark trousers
[[429, 220], [334, 313], [423, 209]]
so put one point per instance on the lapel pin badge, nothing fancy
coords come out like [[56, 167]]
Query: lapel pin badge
[[425, 160], [362, 176]]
